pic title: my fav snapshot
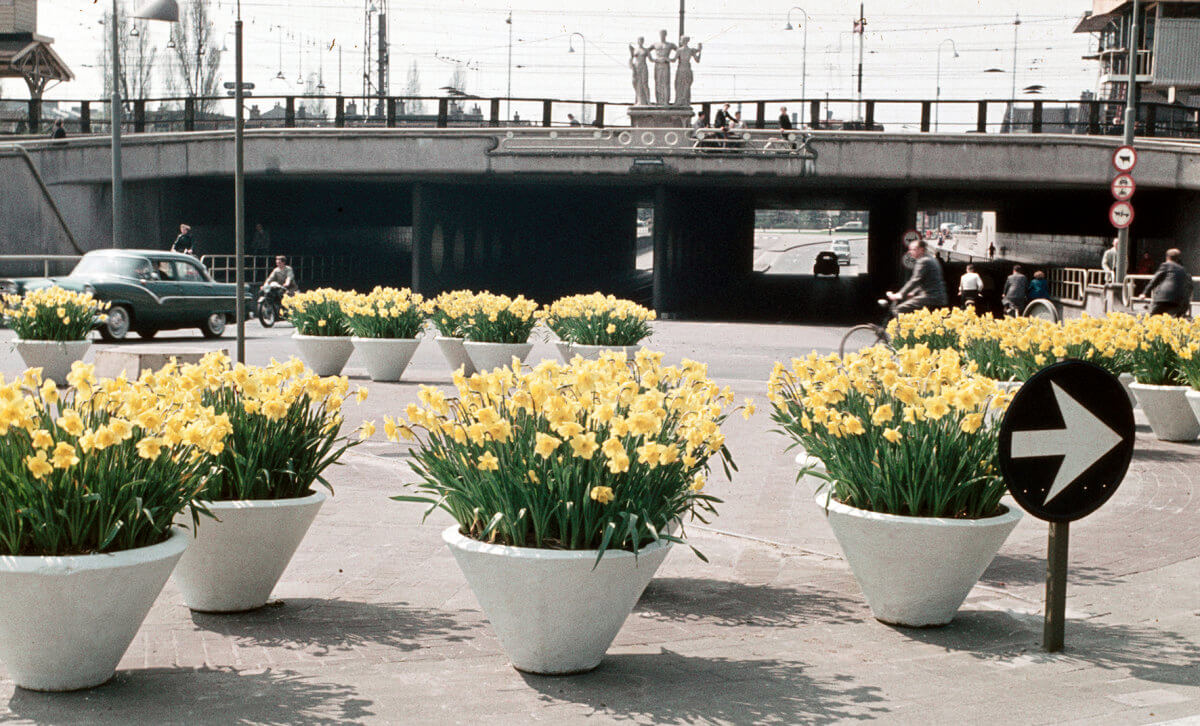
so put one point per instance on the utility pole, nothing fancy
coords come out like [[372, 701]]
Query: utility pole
[[508, 93], [1131, 100], [1016, 31], [681, 13], [862, 39], [382, 86]]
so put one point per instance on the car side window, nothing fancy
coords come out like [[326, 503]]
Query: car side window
[[164, 269], [187, 272]]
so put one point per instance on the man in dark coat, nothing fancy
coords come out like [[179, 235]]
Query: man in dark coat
[[785, 121], [1170, 290], [1016, 291], [183, 243]]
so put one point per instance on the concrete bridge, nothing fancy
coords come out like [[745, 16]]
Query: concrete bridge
[[547, 211]]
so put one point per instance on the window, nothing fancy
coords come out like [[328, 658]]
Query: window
[[187, 272]]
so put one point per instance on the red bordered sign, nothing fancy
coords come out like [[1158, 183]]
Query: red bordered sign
[[1120, 214], [1124, 159], [1123, 187]]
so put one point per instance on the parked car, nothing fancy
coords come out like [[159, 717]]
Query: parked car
[[826, 265], [841, 248], [148, 291], [855, 226]]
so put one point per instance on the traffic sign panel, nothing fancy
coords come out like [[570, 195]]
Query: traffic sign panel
[[1123, 187], [1120, 214], [1124, 158], [1078, 414]]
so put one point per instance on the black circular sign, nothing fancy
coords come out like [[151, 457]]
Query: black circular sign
[[1066, 441]]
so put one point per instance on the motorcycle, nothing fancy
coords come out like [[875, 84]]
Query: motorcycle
[[269, 306]]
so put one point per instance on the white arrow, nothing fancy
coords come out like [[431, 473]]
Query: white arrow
[[1082, 441]]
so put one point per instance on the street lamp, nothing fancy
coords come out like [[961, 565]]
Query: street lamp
[[167, 11], [803, 60], [239, 191], [582, 73], [937, 106]]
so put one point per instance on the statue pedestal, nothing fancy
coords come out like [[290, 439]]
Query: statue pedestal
[[660, 117]]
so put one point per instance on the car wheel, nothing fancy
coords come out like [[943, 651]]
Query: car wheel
[[116, 327], [146, 333], [214, 325]]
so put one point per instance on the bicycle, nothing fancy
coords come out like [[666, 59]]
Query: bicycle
[[866, 335]]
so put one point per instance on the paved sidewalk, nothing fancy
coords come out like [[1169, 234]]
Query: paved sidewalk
[[374, 623]]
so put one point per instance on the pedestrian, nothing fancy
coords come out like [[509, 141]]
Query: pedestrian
[[785, 121], [1108, 262], [1170, 289], [991, 250], [572, 120], [1016, 292], [970, 287], [721, 120], [1145, 265], [58, 132], [1039, 287], [183, 243], [261, 242]]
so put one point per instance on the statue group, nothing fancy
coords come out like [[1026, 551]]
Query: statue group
[[662, 54]]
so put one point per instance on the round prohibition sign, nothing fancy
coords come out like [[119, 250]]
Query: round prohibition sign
[[1123, 186], [1120, 214], [1125, 158]]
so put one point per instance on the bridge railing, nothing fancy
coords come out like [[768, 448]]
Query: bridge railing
[[1072, 116], [311, 270]]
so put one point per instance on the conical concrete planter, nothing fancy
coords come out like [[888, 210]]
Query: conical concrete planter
[[553, 613], [235, 562], [564, 350], [489, 356], [592, 352], [386, 358], [1193, 399], [65, 622], [1167, 409], [456, 354], [325, 355], [1126, 379], [54, 357], [916, 571]]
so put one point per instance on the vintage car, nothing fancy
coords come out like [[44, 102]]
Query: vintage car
[[148, 291]]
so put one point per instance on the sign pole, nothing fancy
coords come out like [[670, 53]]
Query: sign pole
[[1056, 587], [1130, 123]]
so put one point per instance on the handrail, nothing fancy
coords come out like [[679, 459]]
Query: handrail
[[37, 176], [44, 259]]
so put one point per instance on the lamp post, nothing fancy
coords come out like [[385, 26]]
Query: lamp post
[[937, 106], [803, 59], [239, 191], [1131, 99], [582, 73], [167, 11]]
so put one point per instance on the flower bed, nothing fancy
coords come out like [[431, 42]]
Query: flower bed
[[386, 312], [52, 313], [452, 311], [501, 319], [599, 319], [320, 312]]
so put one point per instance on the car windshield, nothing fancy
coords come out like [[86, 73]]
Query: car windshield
[[92, 265]]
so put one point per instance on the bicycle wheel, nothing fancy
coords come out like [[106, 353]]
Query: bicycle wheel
[[863, 336]]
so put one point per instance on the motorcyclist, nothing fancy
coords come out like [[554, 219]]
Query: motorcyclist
[[925, 287], [283, 276]]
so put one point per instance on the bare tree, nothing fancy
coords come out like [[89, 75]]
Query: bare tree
[[137, 57], [197, 56], [458, 86], [413, 88]]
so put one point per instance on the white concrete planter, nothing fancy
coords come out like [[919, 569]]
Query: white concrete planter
[[1009, 386], [564, 350], [65, 622], [54, 357], [592, 352], [386, 358], [1126, 379], [488, 356], [235, 562], [456, 354], [325, 355], [916, 571], [552, 612], [1167, 409]]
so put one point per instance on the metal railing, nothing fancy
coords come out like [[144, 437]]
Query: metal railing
[[1071, 116], [7, 262], [1069, 284], [311, 270]]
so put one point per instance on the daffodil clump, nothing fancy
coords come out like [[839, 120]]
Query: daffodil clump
[[320, 312], [501, 319], [104, 466], [284, 426], [1156, 360], [386, 312], [599, 319], [453, 310], [604, 454], [906, 433], [52, 313]]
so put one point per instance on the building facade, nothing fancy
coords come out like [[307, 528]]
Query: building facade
[[1168, 58]]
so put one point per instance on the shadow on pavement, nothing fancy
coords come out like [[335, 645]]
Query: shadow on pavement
[[1179, 453], [1022, 570], [208, 695], [1145, 653], [735, 604], [670, 688], [322, 627]]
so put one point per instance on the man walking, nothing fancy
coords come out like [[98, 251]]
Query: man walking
[[1016, 292], [785, 121], [925, 287], [1170, 289], [1109, 261]]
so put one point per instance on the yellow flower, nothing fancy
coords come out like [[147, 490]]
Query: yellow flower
[[546, 444], [892, 435], [71, 422], [604, 495], [698, 481], [882, 415], [49, 391], [149, 448], [360, 395], [42, 439], [584, 445], [748, 409], [972, 422], [366, 430], [610, 329], [64, 456], [38, 465], [488, 462]]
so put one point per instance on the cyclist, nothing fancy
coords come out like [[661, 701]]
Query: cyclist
[[1016, 292], [925, 287], [283, 276]]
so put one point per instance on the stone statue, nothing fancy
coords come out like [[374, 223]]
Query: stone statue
[[685, 54], [663, 54], [641, 73]]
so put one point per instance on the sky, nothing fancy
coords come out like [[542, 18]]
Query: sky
[[747, 51]]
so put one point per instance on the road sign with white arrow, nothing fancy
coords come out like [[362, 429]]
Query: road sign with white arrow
[[1064, 447]]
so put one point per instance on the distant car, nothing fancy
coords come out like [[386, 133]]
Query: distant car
[[826, 265], [855, 226], [148, 291], [841, 248]]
